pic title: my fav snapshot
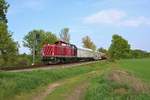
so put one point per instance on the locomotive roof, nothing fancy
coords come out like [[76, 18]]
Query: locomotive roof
[[61, 42], [65, 43]]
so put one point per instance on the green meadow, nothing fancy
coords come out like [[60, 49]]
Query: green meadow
[[101, 88], [120, 80]]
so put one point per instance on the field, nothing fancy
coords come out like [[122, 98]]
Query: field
[[120, 80], [127, 80], [140, 67]]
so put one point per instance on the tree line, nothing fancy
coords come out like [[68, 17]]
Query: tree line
[[120, 48], [35, 39]]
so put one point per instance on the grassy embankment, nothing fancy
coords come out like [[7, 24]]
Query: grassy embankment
[[139, 67], [74, 88], [126, 82], [14, 85], [122, 80]]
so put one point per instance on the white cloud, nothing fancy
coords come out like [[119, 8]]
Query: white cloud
[[135, 22], [116, 17], [105, 16]]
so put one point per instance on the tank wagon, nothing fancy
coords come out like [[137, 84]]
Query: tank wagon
[[62, 52]]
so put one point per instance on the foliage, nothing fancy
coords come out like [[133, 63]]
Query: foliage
[[119, 48], [88, 43], [17, 60], [3, 10], [139, 53], [64, 35], [102, 50], [22, 60], [8, 48]]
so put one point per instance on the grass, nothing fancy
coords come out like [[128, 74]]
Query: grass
[[139, 67], [14, 84], [79, 82], [102, 89], [63, 91]]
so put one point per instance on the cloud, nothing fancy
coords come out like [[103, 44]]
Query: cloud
[[136, 22], [105, 16], [116, 17]]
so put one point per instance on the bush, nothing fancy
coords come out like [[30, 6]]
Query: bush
[[139, 53], [1, 62], [17, 60], [23, 61], [119, 48]]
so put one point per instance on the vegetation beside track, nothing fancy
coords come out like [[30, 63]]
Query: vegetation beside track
[[26, 85], [139, 67], [14, 84], [101, 88], [134, 82], [74, 88]]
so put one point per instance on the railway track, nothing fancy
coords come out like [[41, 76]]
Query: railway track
[[44, 67]]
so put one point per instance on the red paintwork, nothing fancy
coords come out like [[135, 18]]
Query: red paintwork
[[59, 49]]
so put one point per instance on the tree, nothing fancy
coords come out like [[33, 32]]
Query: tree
[[87, 43], [40, 37], [30, 37], [8, 48], [139, 53], [64, 35], [102, 50], [104, 53], [49, 38], [119, 47], [3, 10]]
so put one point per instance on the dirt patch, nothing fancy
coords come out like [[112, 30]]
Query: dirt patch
[[78, 92], [120, 91], [123, 77], [49, 90]]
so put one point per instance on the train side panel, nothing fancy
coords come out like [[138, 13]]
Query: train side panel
[[88, 54], [59, 52], [85, 54]]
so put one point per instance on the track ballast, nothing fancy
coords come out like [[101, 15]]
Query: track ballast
[[41, 66]]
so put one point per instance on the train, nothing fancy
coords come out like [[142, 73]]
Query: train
[[62, 52]]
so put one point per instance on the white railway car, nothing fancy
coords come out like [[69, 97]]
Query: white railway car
[[84, 53]]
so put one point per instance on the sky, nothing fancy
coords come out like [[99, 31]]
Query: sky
[[99, 19]]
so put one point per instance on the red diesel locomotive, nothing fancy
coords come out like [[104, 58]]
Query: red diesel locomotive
[[59, 52]]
